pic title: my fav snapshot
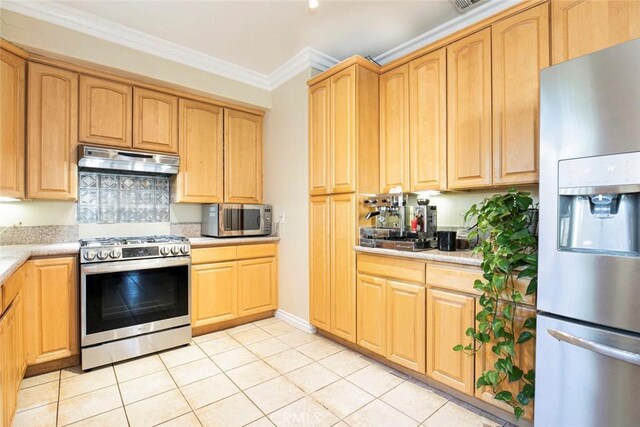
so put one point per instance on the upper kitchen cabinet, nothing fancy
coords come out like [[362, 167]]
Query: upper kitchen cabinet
[[201, 158], [469, 111], [242, 157], [428, 121], [52, 133], [155, 121], [105, 112], [343, 131], [394, 129], [319, 134], [520, 49], [12, 124], [584, 26]]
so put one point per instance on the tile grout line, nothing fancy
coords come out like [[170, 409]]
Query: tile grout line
[[124, 409]]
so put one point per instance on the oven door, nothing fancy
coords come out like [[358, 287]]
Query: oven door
[[128, 298], [241, 220]]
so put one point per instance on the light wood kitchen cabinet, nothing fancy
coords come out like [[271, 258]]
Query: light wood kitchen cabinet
[[319, 138], [215, 289], [394, 129], [428, 122], [200, 145], [105, 112], [319, 272], [242, 157], [12, 124], [406, 324], [52, 133], [525, 359], [51, 299], [342, 145], [372, 321], [257, 286], [12, 357], [449, 315], [520, 49], [155, 121], [342, 266], [580, 27], [469, 111]]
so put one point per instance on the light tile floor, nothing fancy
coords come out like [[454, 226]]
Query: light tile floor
[[261, 374]]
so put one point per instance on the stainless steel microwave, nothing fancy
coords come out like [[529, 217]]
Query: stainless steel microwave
[[233, 220]]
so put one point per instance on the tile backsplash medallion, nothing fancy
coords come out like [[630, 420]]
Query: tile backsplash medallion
[[107, 198]]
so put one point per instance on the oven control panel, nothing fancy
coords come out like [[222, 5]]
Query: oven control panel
[[90, 255]]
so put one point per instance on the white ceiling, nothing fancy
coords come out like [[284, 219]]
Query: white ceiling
[[262, 35]]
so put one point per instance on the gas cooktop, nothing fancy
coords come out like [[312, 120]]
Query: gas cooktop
[[109, 249]]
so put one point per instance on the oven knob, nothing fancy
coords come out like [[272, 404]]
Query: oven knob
[[89, 255], [175, 250], [164, 251], [184, 249], [115, 253], [103, 254]]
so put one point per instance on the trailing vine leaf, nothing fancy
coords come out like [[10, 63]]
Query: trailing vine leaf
[[509, 252]]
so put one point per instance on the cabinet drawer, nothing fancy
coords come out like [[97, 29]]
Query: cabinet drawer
[[257, 251], [11, 288], [400, 269], [206, 255]]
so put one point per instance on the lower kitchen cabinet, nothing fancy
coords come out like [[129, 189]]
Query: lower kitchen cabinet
[[406, 324], [214, 290], [257, 286], [319, 274], [51, 299], [372, 322], [449, 316]]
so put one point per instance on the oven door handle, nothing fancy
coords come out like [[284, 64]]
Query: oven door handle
[[144, 264], [596, 347]]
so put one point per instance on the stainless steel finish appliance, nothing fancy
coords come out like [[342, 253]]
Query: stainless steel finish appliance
[[233, 220], [124, 160], [588, 330], [402, 222], [135, 297]]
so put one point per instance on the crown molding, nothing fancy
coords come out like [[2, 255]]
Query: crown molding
[[474, 15], [104, 29]]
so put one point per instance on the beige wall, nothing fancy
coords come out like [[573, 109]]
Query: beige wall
[[38, 36], [286, 188]]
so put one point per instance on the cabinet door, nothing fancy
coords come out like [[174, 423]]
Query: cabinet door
[[428, 121], [12, 124], [371, 309], [580, 27], [319, 133], [106, 114], [485, 359], [394, 129], [448, 317], [469, 111], [520, 49], [406, 307], [257, 286], [242, 157], [343, 266], [51, 299], [342, 145], [214, 289], [200, 147], [52, 171], [155, 121], [319, 272], [7, 371], [4, 394]]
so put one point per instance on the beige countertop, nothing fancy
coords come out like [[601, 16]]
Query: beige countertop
[[457, 257]]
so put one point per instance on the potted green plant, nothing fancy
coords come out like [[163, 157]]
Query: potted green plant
[[509, 252]]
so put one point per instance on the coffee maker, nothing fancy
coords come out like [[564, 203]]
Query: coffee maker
[[403, 221]]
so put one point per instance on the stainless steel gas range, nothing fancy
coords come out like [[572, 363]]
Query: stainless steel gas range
[[135, 297]]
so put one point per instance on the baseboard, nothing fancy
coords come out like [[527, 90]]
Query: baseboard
[[295, 321]]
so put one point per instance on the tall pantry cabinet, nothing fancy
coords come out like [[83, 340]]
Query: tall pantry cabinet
[[343, 162]]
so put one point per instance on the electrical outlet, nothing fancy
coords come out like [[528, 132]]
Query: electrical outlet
[[281, 218]]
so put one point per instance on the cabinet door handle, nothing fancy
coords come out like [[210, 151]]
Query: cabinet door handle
[[605, 350]]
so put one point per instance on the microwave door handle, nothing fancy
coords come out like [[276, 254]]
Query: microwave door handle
[[605, 350]]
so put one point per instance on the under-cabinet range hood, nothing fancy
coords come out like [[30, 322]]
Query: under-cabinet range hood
[[129, 161]]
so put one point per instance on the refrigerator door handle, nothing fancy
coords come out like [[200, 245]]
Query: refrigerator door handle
[[605, 350]]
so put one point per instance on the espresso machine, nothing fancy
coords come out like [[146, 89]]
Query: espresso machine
[[402, 221]]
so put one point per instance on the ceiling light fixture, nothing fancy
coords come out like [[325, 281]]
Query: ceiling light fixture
[[313, 4]]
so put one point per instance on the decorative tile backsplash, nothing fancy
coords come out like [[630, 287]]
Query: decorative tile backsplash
[[107, 198]]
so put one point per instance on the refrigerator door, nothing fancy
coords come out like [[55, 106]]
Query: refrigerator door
[[586, 376]]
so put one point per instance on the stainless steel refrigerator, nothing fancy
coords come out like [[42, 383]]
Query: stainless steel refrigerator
[[588, 329]]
